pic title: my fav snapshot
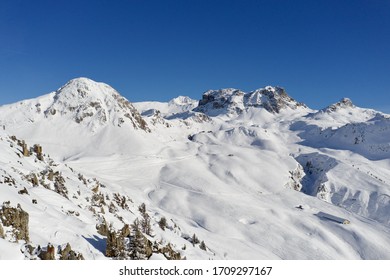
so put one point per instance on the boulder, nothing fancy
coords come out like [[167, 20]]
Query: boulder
[[68, 254], [1, 231], [48, 253]]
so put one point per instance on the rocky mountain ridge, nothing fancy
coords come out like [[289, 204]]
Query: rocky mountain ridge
[[234, 101]]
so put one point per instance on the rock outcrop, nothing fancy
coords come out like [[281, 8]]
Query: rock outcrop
[[48, 253], [1, 231], [234, 101], [343, 103], [67, 253], [16, 218]]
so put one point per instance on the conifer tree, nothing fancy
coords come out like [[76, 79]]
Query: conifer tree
[[202, 245], [195, 240], [145, 224], [142, 208], [163, 223], [137, 250]]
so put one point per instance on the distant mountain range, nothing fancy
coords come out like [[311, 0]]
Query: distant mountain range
[[85, 174]]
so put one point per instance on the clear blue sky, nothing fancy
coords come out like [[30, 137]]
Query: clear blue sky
[[320, 51]]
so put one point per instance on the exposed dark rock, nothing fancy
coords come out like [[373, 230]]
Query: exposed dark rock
[[9, 180], [33, 178], [38, 150], [47, 253], [29, 248], [223, 101], [1, 231], [24, 191], [102, 228], [26, 151], [121, 201], [112, 208], [169, 252], [343, 103], [126, 231], [17, 218], [59, 185], [50, 175], [68, 254], [97, 200]]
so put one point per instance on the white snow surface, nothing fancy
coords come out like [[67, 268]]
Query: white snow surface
[[176, 105], [248, 175]]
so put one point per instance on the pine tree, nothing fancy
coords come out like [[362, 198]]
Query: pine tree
[[195, 240], [137, 250], [162, 223], [145, 224], [115, 243], [142, 208], [202, 245]]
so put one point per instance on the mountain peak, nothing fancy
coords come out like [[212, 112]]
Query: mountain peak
[[94, 104], [81, 80], [230, 100], [342, 104], [346, 102], [222, 101], [182, 100], [273, 99], [84, 87]]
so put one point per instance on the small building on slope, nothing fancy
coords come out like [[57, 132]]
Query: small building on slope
[[333, 218]]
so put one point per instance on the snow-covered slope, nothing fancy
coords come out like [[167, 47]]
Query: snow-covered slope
[[369, 138], [250, 174], [79, 118], [66, 206], [177, 105], [340, 113]]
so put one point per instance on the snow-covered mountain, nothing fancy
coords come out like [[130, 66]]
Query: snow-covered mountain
[[341, 113], [177, 105], [80, 117], [234, 175], [230, 101], [80, 100]]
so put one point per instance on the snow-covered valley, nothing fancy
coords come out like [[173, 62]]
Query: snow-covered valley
[[233, 176]]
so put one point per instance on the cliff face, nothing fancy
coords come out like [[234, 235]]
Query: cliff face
[[17, 219], [234, 101]]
